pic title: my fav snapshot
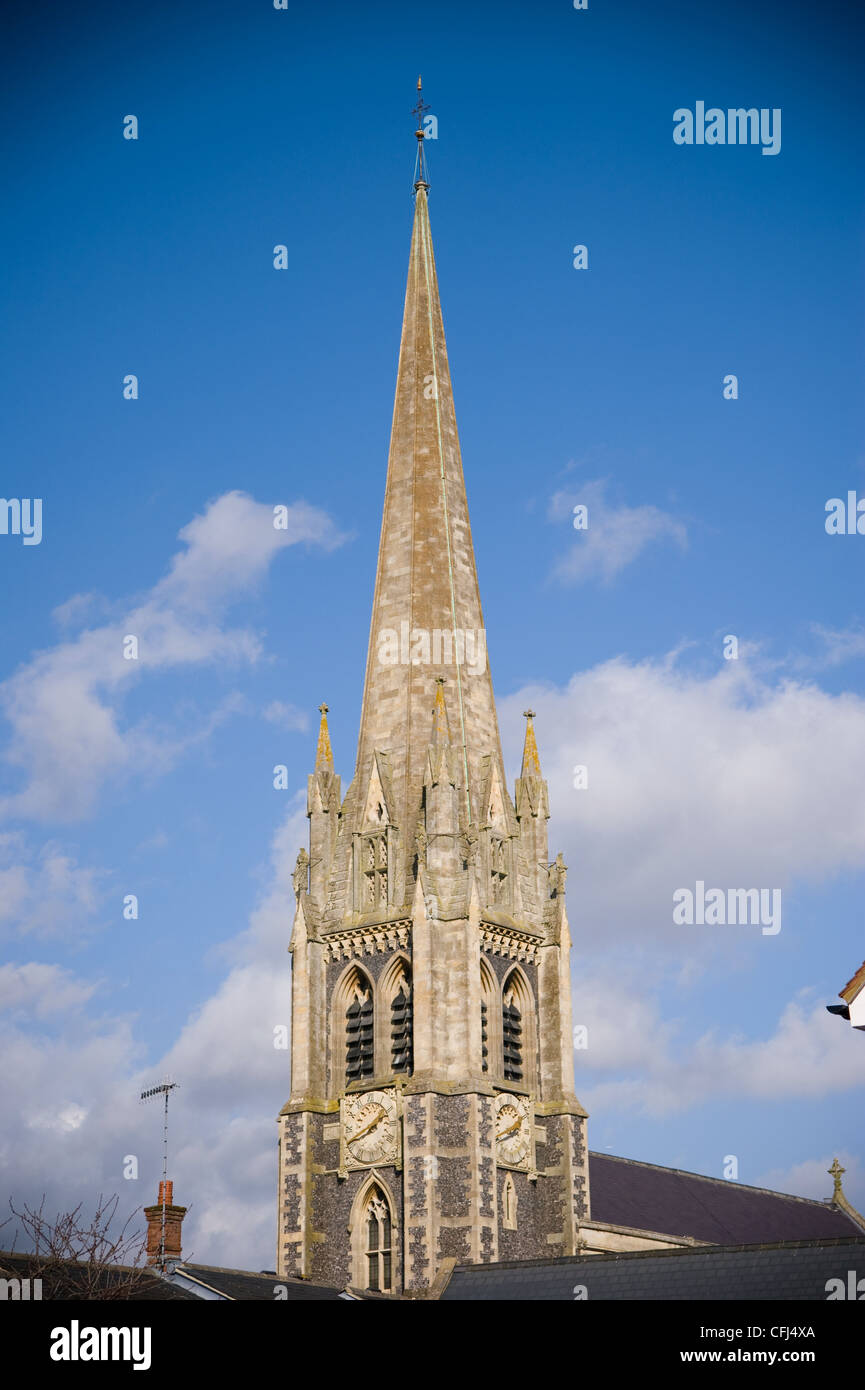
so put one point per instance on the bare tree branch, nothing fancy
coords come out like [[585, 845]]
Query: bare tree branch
[[78, 1257]]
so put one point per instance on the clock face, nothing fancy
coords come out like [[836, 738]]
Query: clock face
[[370, 1126], [513, 1130]]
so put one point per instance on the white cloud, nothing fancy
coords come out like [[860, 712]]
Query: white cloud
[[41, 990], [158, 840], [723, 778], [80, 1077], [286, 716], [231, 544], [689, 776], [615, 536], [65, 705], [840, 645], [811, 1178], [655, 1070], [78, 608], [46, 893]]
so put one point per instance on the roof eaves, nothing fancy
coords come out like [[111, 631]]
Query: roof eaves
[[676, 1252], [186, 1273], [854, 986]]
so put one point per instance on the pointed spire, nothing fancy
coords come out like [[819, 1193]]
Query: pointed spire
[[427, 619], [531, 761], [323, 753], [441, 732]]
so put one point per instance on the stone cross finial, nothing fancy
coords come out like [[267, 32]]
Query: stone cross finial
[[836, 1170]]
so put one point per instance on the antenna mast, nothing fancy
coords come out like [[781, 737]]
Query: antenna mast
[[163, 1089]]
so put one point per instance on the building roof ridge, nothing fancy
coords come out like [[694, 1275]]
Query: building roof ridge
[[825, 1202]]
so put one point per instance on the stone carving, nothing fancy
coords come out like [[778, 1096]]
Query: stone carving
[[300, 876], [366, 941], [504, 941]]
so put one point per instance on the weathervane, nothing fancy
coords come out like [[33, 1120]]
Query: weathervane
[[420, 164]]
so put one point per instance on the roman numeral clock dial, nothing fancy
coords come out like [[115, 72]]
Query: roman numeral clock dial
[[370, 1128], [513, 1131]]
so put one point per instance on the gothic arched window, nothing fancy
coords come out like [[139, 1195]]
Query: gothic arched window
[[378, 1241], [401, 1028], [396, 1040], [375, 870], [512, 1033], [359, 1040], [519, 1039], [489, 1021], [485, 1037]]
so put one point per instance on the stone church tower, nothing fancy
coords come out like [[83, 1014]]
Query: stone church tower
[[432, 1112]]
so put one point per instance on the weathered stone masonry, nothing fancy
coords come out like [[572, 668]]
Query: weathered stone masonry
[[427, 910]]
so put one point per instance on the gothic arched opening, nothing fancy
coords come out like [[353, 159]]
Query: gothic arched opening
[[373, 1238], [396, 1019], [518, 1030]]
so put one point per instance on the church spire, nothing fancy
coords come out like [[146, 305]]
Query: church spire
[[427, 620], [430, 978]]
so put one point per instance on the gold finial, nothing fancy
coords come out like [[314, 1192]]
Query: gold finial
[[323, 753], [531, 761], [836, 1170]]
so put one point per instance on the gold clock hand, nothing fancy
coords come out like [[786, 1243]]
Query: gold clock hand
[[366, 1129], [510, 1129]]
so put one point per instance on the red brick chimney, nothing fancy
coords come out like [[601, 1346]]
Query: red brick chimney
[[173, 1222]]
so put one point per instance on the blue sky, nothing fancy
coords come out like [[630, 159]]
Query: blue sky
[[258, 386]]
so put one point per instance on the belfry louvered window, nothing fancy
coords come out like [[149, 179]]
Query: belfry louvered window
[[375, 871], [512, 1040], [485, 1050], [401, 1029], [359, 1048]]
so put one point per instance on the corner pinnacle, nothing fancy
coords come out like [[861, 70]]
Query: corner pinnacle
[[531, 761], [323, 753]]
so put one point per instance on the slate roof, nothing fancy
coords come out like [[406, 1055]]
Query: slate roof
[[243, 1286], [67, 1280], [796, 1271], [624, 1192]]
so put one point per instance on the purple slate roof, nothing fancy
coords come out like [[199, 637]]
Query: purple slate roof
[[624, 1192]]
